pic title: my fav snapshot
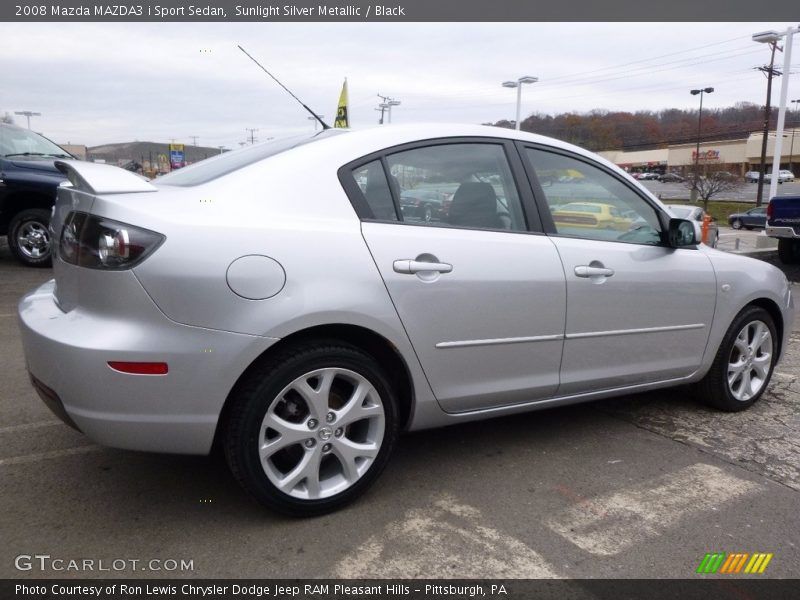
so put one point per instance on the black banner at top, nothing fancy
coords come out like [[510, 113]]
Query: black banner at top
[[397, 10]]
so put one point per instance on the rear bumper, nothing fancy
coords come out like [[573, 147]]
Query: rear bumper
[[782, 232], [68, 353]]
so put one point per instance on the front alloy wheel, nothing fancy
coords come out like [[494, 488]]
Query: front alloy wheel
[[312, 431], [743, 365], [750, 361]]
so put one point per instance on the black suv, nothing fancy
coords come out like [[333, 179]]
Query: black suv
[[28, 184]]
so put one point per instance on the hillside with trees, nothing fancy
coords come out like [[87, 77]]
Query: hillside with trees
[[614, 130]]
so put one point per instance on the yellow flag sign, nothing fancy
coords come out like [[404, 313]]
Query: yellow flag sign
[[342, 119]]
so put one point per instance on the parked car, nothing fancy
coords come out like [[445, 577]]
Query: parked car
[[749, 219], [754, 176], [671, 178], [264, 300], [649, 176], [696, 214], [425, 205], [592, 214], [783, 223], [28, 184]]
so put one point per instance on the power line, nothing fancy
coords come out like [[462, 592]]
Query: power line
[[253, 139]]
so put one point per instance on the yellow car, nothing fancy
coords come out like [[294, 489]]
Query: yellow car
[[591, 214]]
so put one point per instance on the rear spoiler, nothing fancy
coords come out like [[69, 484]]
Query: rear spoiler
[[102, 179]]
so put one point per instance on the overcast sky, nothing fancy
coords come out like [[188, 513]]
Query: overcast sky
[[97, 83]]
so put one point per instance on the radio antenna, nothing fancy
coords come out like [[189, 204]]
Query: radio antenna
[[316, 116]]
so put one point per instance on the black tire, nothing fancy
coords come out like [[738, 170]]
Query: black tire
[[789, 251], [736, 223], [29, 237], [266, 388], [714, 388]]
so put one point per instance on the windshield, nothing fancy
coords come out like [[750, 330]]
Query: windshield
[[222, 164], [16, 142]]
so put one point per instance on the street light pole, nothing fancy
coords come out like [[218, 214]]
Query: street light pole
[[701, 91], [316, 120], [518, 84], [794, 128], [28, 114]]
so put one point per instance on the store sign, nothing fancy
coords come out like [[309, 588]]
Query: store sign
[[705, 155], [177, 158]]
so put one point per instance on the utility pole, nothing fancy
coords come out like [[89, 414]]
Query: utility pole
[[386, 106], [28, 114], [194, 139], [253, 139], [770, 71]]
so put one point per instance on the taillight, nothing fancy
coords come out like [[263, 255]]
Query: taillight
[[769, 210], [99, 243]]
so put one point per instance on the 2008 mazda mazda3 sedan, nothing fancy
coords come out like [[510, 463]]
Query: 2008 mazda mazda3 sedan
[[277, 299]]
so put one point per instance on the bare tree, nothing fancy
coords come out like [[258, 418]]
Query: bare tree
[[713, 184]]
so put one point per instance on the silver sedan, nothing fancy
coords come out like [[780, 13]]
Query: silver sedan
[[277, 300]]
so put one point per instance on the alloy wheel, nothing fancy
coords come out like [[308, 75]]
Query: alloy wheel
[[321, 433], [33, 239], [750, 360]]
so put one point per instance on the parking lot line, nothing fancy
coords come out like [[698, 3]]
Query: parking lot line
[[445, 539], [30, 458], [608, 524], [27, 426]]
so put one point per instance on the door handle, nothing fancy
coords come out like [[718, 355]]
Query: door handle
[[589, 271], [418, 266]]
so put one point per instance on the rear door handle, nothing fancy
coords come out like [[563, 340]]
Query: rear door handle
[[587, 271], [418, 266]]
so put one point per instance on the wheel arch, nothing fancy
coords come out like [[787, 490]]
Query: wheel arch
[[365, 339], [777, 317], [22, 200]]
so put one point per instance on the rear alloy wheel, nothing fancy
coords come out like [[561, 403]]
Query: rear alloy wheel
[[312, 432], [736, 224], [29, 237], [427, 214], [743, 365]]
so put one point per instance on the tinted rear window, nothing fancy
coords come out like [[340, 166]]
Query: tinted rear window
[[211, 168]]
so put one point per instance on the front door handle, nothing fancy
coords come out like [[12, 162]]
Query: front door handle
[[590, 271], [417, 266]]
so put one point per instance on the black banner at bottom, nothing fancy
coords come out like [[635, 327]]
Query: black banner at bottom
[[718, 588]]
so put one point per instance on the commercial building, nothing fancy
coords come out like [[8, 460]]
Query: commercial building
[[736, 156]]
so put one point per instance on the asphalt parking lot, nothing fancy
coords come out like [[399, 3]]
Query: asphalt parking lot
[[636, 487], [746, 193]]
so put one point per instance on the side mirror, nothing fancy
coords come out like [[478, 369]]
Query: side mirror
[[681, 233]]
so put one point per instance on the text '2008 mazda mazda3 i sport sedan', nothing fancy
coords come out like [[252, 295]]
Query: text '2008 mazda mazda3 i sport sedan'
[[278, 300]]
